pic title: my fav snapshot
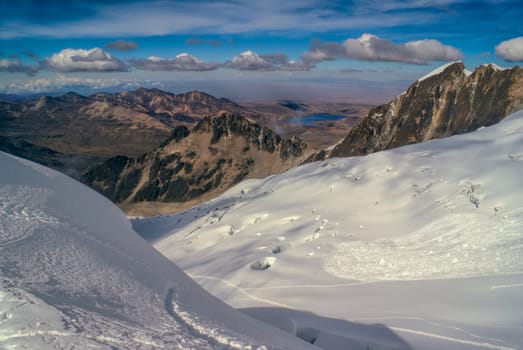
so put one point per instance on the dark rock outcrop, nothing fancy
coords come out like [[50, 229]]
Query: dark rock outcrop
[[452, 102]]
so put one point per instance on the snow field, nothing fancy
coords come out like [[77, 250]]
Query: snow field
[[446, 212], [74, 275]]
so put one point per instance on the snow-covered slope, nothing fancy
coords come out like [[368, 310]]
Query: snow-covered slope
[[74, 275], [425, 239]]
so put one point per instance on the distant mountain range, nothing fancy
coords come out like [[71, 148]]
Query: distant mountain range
[[149, 147], [173, 109], [104, 125]]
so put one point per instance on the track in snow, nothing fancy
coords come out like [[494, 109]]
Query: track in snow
[[20, 212]]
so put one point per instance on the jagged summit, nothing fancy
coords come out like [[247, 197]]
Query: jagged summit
[[193, 166], [458, 64], [448, 101]]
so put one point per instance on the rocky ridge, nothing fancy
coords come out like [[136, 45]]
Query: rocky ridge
[[448, 102], [173, 109], [193, 166]]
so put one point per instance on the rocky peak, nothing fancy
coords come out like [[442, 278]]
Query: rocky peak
[[192, 166], [446, 102], [177, 134], [447, 72], [261, 137]]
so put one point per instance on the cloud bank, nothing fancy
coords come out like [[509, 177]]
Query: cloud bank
[[97, 60], [79, 60], [369, 47], [251, 61], [182, 62], [511, 50], [16, 66], [63, 83]]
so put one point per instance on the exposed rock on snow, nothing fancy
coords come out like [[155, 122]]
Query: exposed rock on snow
[[264, 263]]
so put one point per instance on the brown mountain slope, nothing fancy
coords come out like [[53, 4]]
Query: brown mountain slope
[[451, 102], [193, 166], [78, 125], [174, 109], [105, 125]]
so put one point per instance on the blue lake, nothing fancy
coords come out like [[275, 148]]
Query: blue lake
[[312, 120]]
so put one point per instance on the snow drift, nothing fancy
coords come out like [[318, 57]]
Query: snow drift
[[426, 239], [75, 275]]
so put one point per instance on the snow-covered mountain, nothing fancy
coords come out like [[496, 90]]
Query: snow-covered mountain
[[418, 247], [74, 275]]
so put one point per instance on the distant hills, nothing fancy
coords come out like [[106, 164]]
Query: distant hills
[[104, 125]]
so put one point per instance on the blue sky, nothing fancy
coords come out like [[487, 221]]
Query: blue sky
[[250, 50]]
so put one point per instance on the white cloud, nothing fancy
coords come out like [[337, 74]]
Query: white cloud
[[296, 66], [317, 55], [431, 50], [511, 50], [79, 60], [182, 62], [369, 47], [16, 66], [6, 64], [251, 61], [62, 83]]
